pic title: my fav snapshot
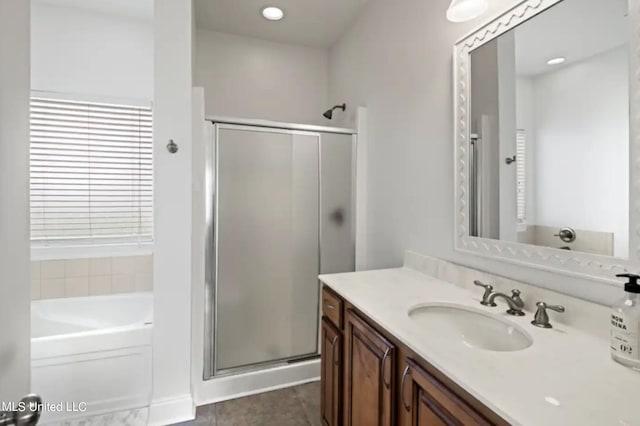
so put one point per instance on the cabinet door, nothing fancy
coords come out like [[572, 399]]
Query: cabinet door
[[427, 402], [369, 375], [331, 378]]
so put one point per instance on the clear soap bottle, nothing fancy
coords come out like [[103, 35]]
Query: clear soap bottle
[[625, 325]]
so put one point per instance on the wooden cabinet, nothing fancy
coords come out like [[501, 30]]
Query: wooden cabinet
[[369, 374], [331, 367], [369, 378], [427, 402]]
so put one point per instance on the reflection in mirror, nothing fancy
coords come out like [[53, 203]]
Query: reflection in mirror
[[549, 142]]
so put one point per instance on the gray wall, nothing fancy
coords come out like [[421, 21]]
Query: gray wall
[[251, 78]]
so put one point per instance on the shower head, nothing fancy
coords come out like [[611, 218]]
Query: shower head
[[329, 113]]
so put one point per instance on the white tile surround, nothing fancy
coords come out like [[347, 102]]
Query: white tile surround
[[52, 279], [566, 377]]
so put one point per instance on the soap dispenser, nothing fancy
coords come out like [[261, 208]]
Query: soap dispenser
[[625, 322]]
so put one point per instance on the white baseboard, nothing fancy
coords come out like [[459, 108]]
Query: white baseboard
[[250, 383], [172, 410]]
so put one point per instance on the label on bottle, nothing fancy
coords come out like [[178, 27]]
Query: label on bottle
[[624, 336]]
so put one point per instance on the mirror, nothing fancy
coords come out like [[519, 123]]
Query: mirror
[[548, 142]]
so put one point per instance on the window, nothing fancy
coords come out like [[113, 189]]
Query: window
[[91, 173], [521, 175]]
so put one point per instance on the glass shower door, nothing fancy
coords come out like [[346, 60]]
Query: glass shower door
[[267, 245]]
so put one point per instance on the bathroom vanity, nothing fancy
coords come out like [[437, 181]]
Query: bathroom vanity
[[414, 346], [365, 366]]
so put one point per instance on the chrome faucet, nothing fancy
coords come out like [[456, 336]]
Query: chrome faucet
[[514, 301]]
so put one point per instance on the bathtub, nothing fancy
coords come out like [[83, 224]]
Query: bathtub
[[91, 355]]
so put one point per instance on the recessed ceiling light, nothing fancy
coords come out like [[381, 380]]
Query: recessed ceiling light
[[272, 13], [556, 61]]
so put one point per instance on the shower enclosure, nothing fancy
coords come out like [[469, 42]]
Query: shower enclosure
[[281, 211]]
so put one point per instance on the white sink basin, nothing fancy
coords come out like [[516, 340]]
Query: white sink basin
[[472, 327]]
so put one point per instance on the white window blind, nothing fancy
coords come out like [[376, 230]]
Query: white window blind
[[91, 172], [521, 175]]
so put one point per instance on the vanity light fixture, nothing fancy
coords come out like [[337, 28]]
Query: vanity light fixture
[[273, 13], [466, 10], [556, 61]]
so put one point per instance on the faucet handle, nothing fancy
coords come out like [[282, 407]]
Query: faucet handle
[[483, 285], [557, 308], [541, 318], [515, 296], [488, 289]]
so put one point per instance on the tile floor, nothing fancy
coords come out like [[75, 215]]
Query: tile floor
[[297, 406]]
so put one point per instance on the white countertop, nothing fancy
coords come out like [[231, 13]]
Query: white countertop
[[566, 377]]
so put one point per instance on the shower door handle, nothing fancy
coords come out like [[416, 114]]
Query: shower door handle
[[24, 413]]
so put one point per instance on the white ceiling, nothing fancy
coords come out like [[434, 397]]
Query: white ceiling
[[137, 9], [575, 29], [317, 23]]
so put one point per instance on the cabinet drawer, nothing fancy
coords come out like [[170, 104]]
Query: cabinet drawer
[[332, 307]]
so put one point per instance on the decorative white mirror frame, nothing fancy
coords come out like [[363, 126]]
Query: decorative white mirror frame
[[589, 266]]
